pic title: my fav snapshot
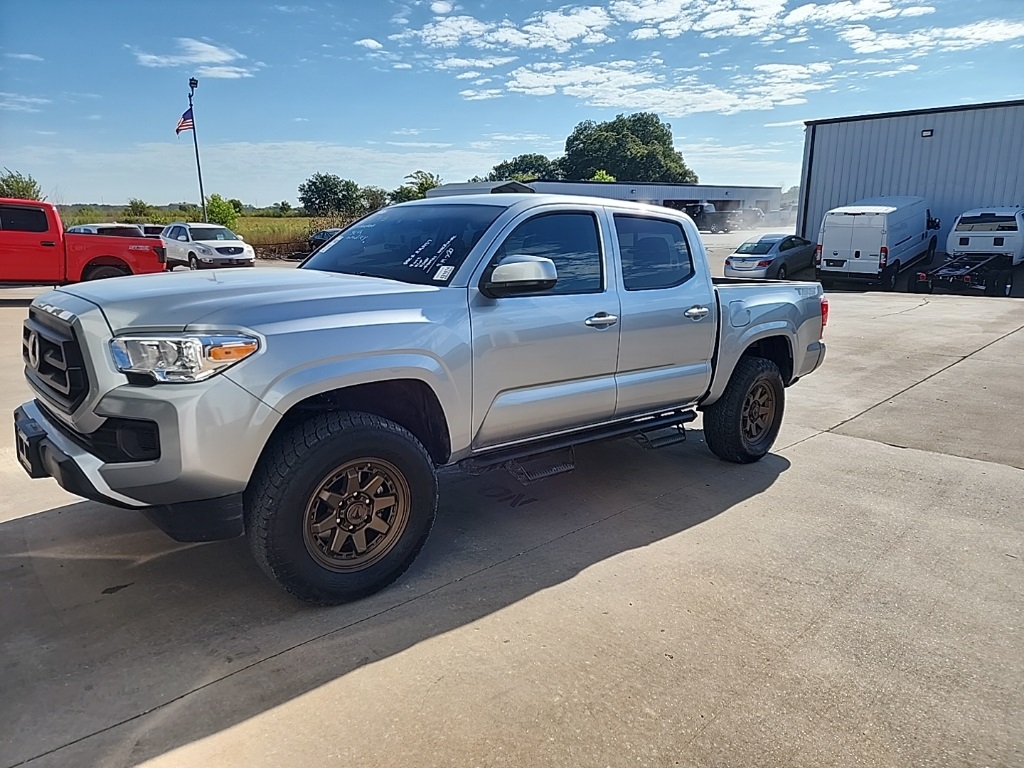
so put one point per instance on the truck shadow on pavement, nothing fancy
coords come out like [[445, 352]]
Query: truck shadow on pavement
[[119, 645]]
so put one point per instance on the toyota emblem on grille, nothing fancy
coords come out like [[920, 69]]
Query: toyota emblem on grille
[[33, 349]]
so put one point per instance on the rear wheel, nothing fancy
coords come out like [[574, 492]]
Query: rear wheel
[[919, 286], [1004, 283], [102, 273], [889, 277], [743, 423], [339, 507]]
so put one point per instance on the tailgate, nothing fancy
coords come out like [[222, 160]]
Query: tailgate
[[837, 243]]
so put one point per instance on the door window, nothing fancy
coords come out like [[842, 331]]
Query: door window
[[21, 219], [654, 252], [570, 240]]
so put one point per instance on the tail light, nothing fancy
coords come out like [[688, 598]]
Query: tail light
[[817, 255], [883, 257], [161, 254], [824, 316], [762, 264]]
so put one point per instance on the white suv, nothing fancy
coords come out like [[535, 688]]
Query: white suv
[[205, 246]]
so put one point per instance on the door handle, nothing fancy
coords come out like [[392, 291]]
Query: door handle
[[697, 313], [48, 243], [601, 320]]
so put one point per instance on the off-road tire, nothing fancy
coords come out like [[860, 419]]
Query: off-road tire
[[723, 421], [286, 480], [103, 273]]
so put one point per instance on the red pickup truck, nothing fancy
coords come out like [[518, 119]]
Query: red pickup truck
[[35, 249]]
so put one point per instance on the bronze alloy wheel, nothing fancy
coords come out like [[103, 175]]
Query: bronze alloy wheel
[[758, 412], [356, 515]]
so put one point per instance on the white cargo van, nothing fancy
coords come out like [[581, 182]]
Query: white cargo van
[[991, 231], [873, 240]]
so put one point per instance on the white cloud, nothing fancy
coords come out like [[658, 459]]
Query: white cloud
[[863, 39], [483, 81], [293, 8], [518, 137], [644, 33], [487, 62], [15, 102], [401, 65], [47, 133], [845, 11], [190, 51], [747, 163], [423, 144], [467, 75], [798, 39], [300, 119], [408, 132], [481, 95], [225, 73], [370, 43], [786, 124], [441, 7], [24, 56], [94, 117]]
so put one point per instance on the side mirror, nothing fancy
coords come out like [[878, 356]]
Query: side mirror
[[519, 274], [935, 224], [240, 237], [183, 238]]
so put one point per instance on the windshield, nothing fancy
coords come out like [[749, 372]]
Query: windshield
[[422, 244], [987, 222], [212, 233], [756, 247]]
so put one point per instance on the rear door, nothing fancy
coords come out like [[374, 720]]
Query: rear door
[[668, 315], [545, 362], [866, 243], [30, 250], [837, 242]]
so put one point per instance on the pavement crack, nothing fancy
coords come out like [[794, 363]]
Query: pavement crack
[[924, 303]]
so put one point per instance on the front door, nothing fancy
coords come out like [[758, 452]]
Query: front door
[[545, 362], [668, 317], [29, 250]]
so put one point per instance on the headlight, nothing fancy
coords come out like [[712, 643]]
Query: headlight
[[203, 249], [181, 359]]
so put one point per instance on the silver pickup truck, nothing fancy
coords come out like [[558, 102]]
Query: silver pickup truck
[[311, 408]]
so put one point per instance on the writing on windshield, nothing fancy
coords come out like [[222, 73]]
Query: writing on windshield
[[422, 244]]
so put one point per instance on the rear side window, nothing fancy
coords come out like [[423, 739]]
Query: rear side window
[[18, 219], [570, 240], [655, 253], [121, 231], [987, 222]]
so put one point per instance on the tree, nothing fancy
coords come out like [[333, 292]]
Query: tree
[[634, 147], [284, 207], [525, 168], [220, 211], [602, 175], [416, 186], [14, 184], [374, 198], [325, 193], [236, 204], [137, 209]]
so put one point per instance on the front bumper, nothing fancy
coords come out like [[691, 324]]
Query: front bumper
[[227, 263]]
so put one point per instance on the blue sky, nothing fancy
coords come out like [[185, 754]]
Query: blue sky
[[90, 92]]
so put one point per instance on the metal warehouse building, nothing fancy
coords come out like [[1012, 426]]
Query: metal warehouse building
[[724, 198], [956, 158]]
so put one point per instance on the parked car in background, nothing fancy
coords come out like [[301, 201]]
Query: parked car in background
[[206, 246], [152, 230], [770, 256], [752, 217], [319, 238], [112, 229], [873, 240], [36, 250]]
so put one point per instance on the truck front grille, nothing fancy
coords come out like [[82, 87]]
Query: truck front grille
[[53, 360]]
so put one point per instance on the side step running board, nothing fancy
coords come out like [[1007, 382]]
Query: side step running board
[[516, 458]]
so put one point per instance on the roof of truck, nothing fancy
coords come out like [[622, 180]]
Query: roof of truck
[[883, 204]]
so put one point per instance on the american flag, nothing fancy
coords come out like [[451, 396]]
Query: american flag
[[185, 122]]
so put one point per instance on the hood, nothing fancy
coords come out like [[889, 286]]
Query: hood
[[223, 243], [235, 297]]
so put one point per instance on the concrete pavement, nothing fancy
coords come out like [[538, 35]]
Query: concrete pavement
[[853, 599]]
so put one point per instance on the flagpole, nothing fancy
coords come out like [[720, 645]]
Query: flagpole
[[192, 85]]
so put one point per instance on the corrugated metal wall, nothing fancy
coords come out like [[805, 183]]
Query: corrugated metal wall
[[975, 158]]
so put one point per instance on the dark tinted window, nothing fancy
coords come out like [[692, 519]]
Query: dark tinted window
[[120, 231], [570, 240], [18, 219], [987, 222], [655, 253], [422, 244]]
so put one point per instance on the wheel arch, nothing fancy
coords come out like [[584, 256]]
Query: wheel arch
[[106, 261]]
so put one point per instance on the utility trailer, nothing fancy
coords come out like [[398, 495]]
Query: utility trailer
[[991, 273]]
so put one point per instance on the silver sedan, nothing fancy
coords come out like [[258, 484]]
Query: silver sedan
[[770, 256]]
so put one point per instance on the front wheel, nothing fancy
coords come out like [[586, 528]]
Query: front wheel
[[781, 274], [339, 506], [193, 262], [741, 426]]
